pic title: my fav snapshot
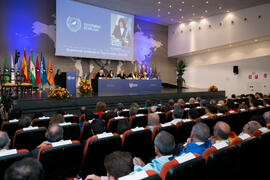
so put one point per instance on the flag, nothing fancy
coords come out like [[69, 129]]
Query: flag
[[146, 69], [141, 68], [43, 74], [28, 68], [37, 72], [155, 71], [152, 72], [50, 73], [6, 71], [24, 68], [16, 62], [12, 71], [135, 69], [32, 70]]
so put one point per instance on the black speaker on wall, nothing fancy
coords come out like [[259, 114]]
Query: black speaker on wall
[[235, 70]]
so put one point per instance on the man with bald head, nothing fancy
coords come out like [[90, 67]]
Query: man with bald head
[[153, 120], [221, 132], [251, 127], [266, 117], [4, 141]]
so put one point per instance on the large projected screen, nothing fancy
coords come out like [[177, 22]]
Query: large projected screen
[[83, 30]]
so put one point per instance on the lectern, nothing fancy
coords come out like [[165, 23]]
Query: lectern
[[69, 81]]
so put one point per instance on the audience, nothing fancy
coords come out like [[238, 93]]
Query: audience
[[122, 126], [58, 118], [193, 114], [171, 102], [198, 141], [53, 134], [153, 120], [181, 102], [24, 121], [266, 117], [148, 104], [203, 103], [100, 107], [221, 132], [4, 141], [136, 105], [251, 127], [177, 112], [222, 109], [119, 107], [25, 169], [117, 164], [133, 110], [259, 119], [97, 126], [191, 100], [153, 109], [164, 145], [210, 111]]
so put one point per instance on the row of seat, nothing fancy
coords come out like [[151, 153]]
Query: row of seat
[[65, 158]]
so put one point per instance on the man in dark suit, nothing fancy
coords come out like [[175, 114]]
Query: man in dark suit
[[100, 74], [122, 75]]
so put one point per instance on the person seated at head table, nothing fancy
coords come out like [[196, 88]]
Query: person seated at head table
[[100, 74], [144, 76], [132, 75], [122, 75], [111, 74]]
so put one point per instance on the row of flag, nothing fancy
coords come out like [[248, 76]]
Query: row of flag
[[151, 72], [30, 71]]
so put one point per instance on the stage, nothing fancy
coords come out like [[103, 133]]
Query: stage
[[38, 101]]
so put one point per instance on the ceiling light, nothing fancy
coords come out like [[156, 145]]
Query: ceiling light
[[193, 14], [180, 9], [256, 40], [219, 7], [169, 12], [158, 15], [182, 17], [183, 2], [159, 2], [206, 11], [170, 6], [158, 9], [192, 6], [206, 2]]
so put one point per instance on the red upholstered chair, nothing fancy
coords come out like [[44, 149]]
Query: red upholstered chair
[[29, 138], [222, 159], [184, 130], [170, 128], [169, 116], [10, 126], [187, 166], [138, 142], [142, 111], [112, 124], [124, 112], [138, 120], [73, 118], [86, 131], [41, 122], [71, 131], [145, 175], [10, 156], [96, 148], [61, 159]]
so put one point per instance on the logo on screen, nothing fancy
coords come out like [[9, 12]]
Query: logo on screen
[[73, 24], [71, 78]]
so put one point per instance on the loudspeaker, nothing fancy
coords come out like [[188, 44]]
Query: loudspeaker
[[235, 70]]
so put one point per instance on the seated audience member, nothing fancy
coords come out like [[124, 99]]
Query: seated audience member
[[171, 102], [4, 141], [100, 74], [243, 106], [231, 106], [117, 164], [164, 145], [266, 100], [153, 109], [266, 117], [177, 112], [100, 107], [133, 111], [210, 111], [121, 75], [253, 103], [132, 75], [148, 104], [233, 96], [83, 110], [119, 107], [38, 115], [135, 105], [53, 134], [221, 102], [191, 100], [181, 102], [24, 121], [250, 127], [111, 75], [144, 76], [198, 141], [213, 102], [222, 109], [153, 120], [198, 99], [16, 113], [122, 126], [97, 126], [25, 169], [203, 103], [193, 114], [58, 118], [221, 132], [259, 119]]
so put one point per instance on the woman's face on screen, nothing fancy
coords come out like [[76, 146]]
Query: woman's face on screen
[[121, 24]]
